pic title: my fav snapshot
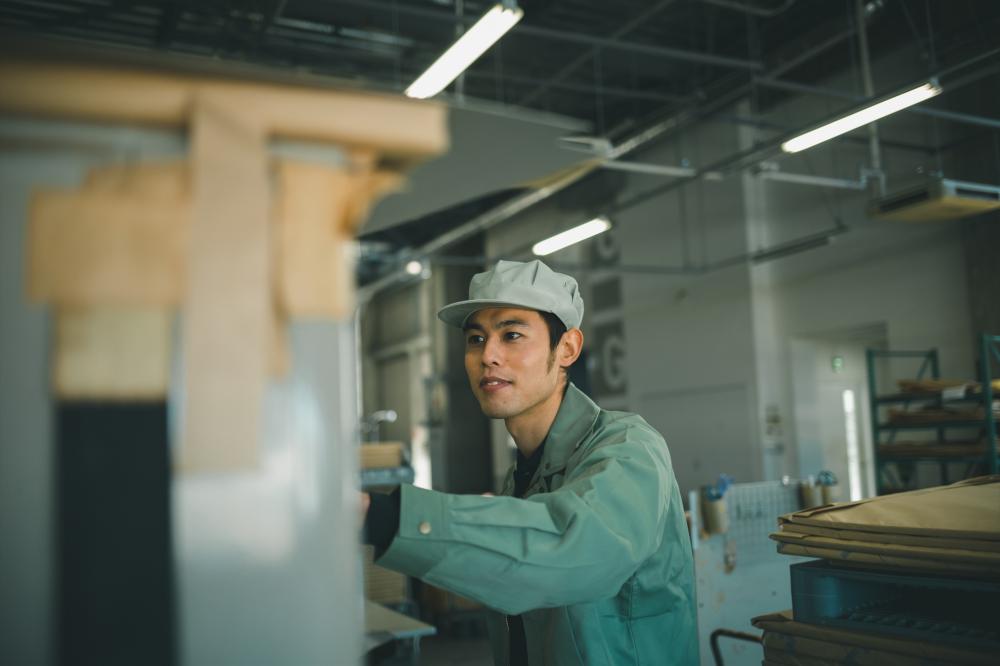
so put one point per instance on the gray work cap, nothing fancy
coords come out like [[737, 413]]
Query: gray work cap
[[531, 285]]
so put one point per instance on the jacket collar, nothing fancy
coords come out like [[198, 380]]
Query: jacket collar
[[574, 420]]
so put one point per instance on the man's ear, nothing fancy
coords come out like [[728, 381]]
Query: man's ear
[[570, 347]]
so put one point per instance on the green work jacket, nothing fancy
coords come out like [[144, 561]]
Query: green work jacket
[[596, 557]]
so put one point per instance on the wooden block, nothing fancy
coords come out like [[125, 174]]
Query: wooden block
[[317, 211], [153, 180], [381, 454], [106, 248], [314, 262], [227, 309], [372, 184], [109, 353]]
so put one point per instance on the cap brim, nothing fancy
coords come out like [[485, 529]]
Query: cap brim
[[456, 314]]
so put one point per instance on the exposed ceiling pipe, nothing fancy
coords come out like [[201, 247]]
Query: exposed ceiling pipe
[[874, 150], [602, 89], [753, 155], [483, 260], [459, 31], [771, 172], [519, 203], [965, 118], [750, 9], [478, 224], [601, 42], [808, 54], [583, 58], [795, 246]]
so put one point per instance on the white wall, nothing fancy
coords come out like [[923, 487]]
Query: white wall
[[709, 354], [690, 343], [820, 421]]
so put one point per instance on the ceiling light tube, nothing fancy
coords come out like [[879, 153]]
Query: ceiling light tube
[[864, 116], [571, 236], [466, 50]]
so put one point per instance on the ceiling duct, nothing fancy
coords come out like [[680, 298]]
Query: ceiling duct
[[935, 200]]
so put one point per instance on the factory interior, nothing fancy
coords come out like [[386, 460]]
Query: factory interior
[[242, 424]]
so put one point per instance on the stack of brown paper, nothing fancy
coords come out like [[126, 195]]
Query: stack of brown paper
[[790, 642], [952, 528], [383, 585]]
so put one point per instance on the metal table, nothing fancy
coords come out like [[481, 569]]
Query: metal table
[[383, 625]]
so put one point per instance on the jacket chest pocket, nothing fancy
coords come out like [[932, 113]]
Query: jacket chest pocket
[[546, 483], [554, 480]]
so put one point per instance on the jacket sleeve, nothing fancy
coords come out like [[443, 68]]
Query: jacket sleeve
[[576, 544]]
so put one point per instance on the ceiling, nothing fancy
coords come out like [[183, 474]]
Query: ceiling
[[615, 65], [609, 69]]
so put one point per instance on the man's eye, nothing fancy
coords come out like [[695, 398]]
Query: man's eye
[[512, 335], [474, 339]]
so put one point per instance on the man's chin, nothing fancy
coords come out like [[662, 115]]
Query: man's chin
[[494, 411]]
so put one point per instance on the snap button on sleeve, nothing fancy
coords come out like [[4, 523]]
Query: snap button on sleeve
[[424, 527]]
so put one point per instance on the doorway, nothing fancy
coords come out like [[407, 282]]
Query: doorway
[[832, 408]]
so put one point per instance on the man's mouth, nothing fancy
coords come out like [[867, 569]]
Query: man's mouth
[[491, 384]]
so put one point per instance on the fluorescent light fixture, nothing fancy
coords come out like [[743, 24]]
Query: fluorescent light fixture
[[571, 236], [863, 117], [472, 44]]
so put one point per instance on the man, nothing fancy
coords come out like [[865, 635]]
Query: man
[[585, 557]]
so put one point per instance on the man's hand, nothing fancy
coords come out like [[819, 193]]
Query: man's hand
[[366, 501]]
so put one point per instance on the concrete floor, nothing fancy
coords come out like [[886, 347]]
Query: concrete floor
[[436, 651], [451, 651]]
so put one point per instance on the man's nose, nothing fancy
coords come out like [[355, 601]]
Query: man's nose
[[491, 352]]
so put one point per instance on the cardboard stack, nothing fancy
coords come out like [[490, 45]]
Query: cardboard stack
[[380, 455], [381, 584], [910, 578]]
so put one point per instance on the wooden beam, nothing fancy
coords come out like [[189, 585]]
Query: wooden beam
[[397, 128], [227, 324]]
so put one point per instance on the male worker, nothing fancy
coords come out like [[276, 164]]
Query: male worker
[[586, 555]]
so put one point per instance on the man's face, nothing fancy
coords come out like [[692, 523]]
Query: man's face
[[510, 365]]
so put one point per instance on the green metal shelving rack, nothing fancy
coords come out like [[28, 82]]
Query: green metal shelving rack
[[989, 352]]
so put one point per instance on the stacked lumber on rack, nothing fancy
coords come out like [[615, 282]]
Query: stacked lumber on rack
[[933, 449], [933, 415], [939, 385], [909, 578]]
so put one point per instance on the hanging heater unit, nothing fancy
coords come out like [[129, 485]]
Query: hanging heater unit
[[935, 200]]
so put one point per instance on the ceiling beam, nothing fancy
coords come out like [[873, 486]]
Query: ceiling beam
[[590, 40]]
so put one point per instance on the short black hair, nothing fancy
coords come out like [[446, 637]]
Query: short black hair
[[556, 328]]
